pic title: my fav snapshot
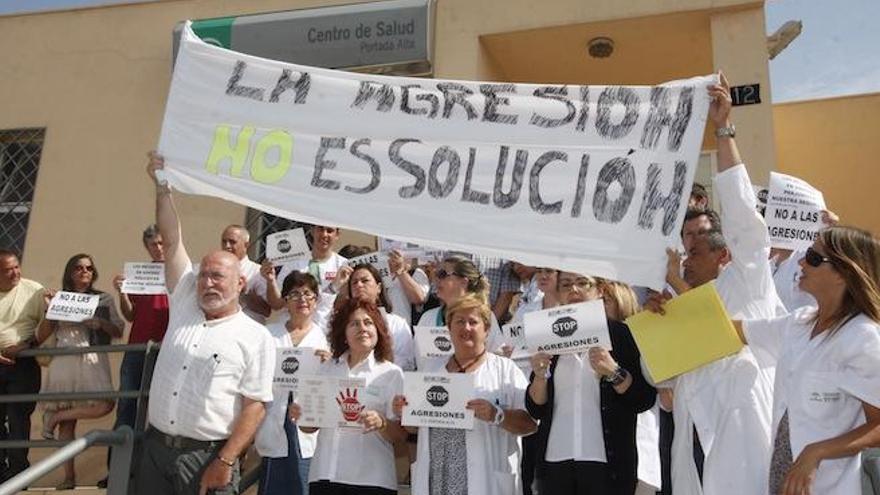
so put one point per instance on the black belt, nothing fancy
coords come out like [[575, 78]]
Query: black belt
[[185, 443]]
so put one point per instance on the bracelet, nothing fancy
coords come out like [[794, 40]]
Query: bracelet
[[499, 416], [225, 461], [618, 377]]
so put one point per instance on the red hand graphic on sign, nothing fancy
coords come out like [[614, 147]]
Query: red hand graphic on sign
[[349, 404]]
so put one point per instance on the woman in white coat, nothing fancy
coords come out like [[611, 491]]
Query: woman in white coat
[[826, 403], [486, 459], [285, 450]]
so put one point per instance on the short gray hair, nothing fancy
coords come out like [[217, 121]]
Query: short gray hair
[[151, 232]]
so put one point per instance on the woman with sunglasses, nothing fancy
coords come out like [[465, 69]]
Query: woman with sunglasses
[[457, 277], [587, 404], [826, 399], [286, 451], [79, 373]]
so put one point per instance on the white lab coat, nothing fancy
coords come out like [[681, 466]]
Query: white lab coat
[[647, 441], [822, 383], [786, 277], [271, 439], [493, 454], [729, 401]]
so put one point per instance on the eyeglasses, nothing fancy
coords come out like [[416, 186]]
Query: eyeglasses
[[84, 268], [814, 259], [442, 273], [300, 296], [582, 284]]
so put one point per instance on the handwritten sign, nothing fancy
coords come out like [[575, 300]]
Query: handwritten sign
[[515, 336], [597, 175], [438, 400], [794, 212], [287, 246], [291, 363], [72, 306], [567, 329], [144, 278]]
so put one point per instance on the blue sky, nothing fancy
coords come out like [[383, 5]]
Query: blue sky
[[837, 53]]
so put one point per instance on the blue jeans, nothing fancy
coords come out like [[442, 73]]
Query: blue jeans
[[130, 373], [286, 475]]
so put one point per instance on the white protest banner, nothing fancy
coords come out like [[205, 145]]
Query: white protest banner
[[144, 278], [411, 250], [292, 363], [438, 400], [378, 260], [72, 306], [515, 336], [286, 246], [330, 401], [591, 179], [567, 329], [794, 212], [432, 342]]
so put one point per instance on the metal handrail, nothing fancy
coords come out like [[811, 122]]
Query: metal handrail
[[122, 438], [67, 351]]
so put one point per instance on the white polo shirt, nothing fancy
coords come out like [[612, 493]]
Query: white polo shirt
[[327, 271], [205, 367], [402, 338], [271, 439], [348, 455]]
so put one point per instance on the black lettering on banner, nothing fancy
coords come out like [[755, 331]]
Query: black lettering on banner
[[535, 200], [456, 94], [444, 154], [407, 166], [610, 97], [493, 101], [616, 170], [382, 93], [585, 109], [659, 117], [234, 89], [375, 171], [321, 164], [652, 200], [581, 191], [468, 194], [300, 86], [431, 98], [553, 93], [508, 199]]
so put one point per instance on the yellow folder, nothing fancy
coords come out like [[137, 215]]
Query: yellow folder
[[694, 331]]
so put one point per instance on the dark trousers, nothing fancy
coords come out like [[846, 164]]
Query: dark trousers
[[285, 475], [15, 419], [130, 372], [527, 465], [328, 488], [575, 478], [172, 471], [667, 432]]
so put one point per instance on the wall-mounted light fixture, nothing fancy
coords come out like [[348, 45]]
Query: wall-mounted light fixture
[[600, 47]]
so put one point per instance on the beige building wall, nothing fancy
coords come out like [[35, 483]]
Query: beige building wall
[[97, 79], [833, 144]]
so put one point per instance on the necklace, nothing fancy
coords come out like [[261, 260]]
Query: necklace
[[463, 369]]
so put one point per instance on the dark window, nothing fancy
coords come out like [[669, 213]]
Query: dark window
[[20, 151]]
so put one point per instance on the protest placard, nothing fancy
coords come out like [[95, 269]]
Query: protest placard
[[144, 278], [330, 401], [793, 213], [515, 336], [432, 342], [287, 246], [590, 179], [438, 400], [378, 259], [567, 329], [694, 331], [291, 363], [72, 306]]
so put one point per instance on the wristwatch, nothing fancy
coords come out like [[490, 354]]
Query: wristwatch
[[499, 416], [729, 131], [618, 377]]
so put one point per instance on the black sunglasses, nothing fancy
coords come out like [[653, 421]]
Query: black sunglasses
[[442, 273], [814, 259]]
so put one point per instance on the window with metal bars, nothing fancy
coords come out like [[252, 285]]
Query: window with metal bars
[[20, 151]]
